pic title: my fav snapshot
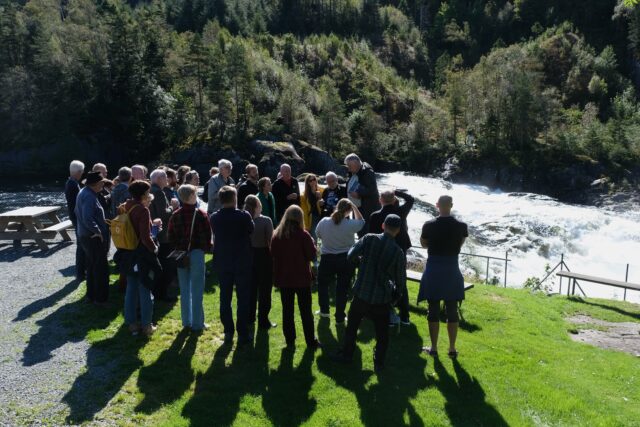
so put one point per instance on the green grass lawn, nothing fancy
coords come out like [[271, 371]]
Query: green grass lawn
[[517, 366]]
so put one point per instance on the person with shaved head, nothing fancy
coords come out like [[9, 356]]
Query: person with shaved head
[[442, 280], [286, 191]]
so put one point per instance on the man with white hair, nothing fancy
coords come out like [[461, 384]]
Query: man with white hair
[[286, 191], [139, 173], [71, 190], [219, 180], [362, 188], [162, 208], [332, 194], [104, 196]]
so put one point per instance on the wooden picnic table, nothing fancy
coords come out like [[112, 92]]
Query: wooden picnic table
[[28, 223]]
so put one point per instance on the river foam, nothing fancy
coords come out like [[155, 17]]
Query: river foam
[[535, 229]]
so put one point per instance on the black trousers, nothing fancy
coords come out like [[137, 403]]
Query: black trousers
[[261, 286], [81, 264], [379, 314], [334, 266], [95, 253], [287, 295], [169, 271], [403, 304]]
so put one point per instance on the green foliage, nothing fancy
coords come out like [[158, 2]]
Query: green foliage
[[515, 84]]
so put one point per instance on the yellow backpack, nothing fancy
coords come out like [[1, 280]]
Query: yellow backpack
[[122, 232]]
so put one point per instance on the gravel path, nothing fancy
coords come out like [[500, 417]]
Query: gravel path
[[39, 360]]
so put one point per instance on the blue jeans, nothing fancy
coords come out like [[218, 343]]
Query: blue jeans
[[135, 292], [191, 291], [240, 276]]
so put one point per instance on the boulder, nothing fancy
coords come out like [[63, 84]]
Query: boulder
[[318, 161], [271, 155]]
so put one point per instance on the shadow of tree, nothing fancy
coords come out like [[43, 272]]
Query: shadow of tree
[[46, 302], [466, 393], [169, 376]]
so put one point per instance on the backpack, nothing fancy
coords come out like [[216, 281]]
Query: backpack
[[122, 232]]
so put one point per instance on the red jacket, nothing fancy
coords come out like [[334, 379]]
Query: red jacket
[[141, 219], [292, 260]]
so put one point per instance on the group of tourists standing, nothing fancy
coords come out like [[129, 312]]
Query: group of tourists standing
[[263, 234]]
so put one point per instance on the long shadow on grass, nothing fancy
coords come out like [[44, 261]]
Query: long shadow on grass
[[169, 376], [46, 302], [465, 398], [219, 391], [69, 323], [384, 402], [606, 307], [287, 401], [110, 362]]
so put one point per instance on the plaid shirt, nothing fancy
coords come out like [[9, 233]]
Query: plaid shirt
[[180, 228], [382, 261]]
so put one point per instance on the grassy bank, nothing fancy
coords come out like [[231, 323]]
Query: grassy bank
[[517, 366]]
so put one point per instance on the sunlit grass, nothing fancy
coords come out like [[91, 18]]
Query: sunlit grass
[[517, 366]]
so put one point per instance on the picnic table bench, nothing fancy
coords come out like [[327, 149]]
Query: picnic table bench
[[574, 277], [28, 223]]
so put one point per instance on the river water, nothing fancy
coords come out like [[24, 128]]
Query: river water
[[535, 229]]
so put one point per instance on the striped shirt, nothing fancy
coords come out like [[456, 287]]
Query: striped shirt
[[382, 261]]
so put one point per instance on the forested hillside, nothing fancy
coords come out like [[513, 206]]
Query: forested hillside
[[524, 84]]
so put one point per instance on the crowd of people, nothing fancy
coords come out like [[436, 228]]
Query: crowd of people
[[261, 235]]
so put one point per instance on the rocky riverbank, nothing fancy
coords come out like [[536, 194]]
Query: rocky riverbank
[[578, 180]]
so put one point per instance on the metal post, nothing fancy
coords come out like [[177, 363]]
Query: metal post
[[626, 279], [487, 277], [506, 267], [561, 267]]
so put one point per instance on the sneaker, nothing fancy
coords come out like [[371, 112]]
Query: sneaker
[[405, 321], [200, 330], [321, 314]]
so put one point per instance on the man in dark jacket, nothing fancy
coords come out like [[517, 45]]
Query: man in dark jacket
[[381, 264], [161, 208], [248, 185], [71, 190], [332, 194], [391, 205], [232, 260], [362, 188], [93, 233], [285, 191]]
